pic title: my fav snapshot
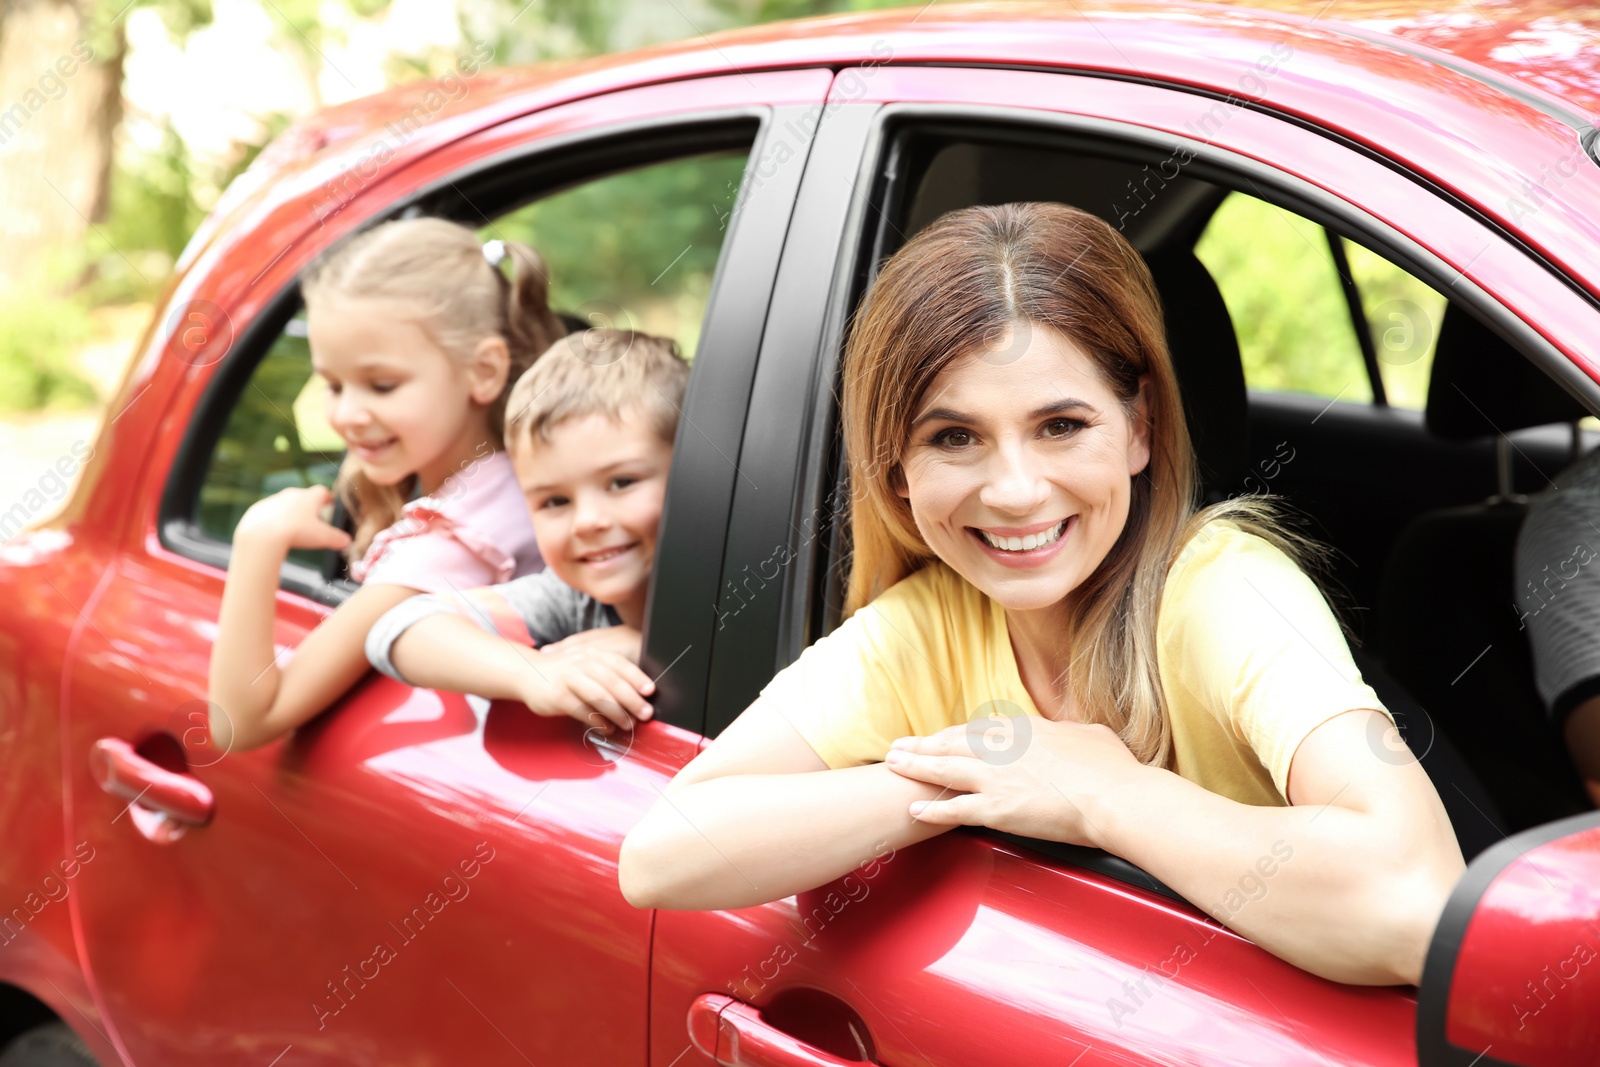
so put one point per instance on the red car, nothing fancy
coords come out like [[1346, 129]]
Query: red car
[[1377, 235]]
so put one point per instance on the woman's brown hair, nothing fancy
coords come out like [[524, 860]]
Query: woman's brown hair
[[975, 280], [439, 269]]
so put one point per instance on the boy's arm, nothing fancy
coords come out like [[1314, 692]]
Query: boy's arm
[[444, 650], [449, 651]]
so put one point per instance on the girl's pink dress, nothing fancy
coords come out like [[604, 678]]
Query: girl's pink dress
[[473, 530]]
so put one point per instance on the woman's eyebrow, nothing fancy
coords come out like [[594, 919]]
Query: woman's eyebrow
[[1059, 407]]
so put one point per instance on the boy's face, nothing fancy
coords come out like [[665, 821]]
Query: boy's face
[[595, 491]]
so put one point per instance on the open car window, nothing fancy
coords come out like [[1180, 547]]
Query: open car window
[[634, 248], [1312, 320]]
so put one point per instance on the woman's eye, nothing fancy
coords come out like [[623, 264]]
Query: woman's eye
[[951, 438], [553, 502], [1063, 427], [384, 387], [333, 388], [622, 481]]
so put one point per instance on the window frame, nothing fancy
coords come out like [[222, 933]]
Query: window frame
[[563, 162], [881, 178]]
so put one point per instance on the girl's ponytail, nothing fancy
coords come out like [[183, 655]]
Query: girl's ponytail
[[530, 326]]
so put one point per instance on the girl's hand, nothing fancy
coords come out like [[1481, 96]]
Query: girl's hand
[[292, 518], [594, 685], [1021, 775]]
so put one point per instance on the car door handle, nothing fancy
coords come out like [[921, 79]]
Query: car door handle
[[734, 1034], [119, 769]]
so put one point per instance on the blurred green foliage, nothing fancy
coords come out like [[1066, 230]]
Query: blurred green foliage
[[636, 249], [1278, 278], [262, 449], [35, 334], [608, 242]]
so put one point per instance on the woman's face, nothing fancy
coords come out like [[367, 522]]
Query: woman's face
[[1019, 466]]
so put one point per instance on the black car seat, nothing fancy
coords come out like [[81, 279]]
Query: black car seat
[[1205, 354], [1446, 625]]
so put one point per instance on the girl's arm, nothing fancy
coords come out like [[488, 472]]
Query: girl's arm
[[1347, 883], [758, 816], [254, 700]]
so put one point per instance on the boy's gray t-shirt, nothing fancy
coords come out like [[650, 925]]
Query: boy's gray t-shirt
[[550, 608]]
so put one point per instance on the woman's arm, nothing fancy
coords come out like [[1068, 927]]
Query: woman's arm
[[758, 816], [1365, 856], [253, 700], [1347, 883]]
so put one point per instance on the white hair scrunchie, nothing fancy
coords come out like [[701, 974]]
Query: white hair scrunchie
[[495, 252]]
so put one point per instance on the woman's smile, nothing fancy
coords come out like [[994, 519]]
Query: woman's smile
[[1015, 546]]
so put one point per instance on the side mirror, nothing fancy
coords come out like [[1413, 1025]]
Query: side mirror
[[1513, 971]]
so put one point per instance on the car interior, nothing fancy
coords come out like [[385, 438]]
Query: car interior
[[1421, 503]]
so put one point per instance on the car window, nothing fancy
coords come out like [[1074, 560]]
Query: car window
[[1278, 278], [635, 249], [274, 439], [1403, 315]]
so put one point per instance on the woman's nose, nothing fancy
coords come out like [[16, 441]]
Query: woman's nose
[[1014, 480]]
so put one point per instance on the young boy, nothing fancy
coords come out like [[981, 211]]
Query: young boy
[[590, 429]]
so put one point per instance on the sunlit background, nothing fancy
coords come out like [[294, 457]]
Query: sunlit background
[[121, 124]]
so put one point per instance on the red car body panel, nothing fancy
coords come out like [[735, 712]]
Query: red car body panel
[[1539, 921], [110, 632]]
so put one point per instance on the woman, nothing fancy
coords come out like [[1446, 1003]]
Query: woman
[[1171, 687]]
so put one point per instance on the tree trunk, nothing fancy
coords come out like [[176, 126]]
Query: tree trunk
[[60, 102]]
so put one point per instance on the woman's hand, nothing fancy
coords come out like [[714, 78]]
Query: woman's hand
[[292, 518], [1021, 775]]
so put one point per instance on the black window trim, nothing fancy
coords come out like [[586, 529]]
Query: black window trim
[[879, 173]]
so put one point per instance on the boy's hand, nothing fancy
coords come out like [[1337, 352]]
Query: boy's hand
[[292, 518], [625, 641], [594, 685]]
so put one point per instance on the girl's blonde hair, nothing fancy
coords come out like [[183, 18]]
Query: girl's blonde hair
[[960, 287], [437, 268]]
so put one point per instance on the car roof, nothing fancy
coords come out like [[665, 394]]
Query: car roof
[[1545, 51], [1448, 79]]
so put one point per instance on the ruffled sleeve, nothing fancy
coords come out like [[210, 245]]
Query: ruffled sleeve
[[430, 550]]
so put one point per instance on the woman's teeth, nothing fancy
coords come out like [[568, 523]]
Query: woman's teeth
[[1025, 544]]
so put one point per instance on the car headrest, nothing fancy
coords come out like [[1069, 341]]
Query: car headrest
[[1481, 386], [1205, 354]]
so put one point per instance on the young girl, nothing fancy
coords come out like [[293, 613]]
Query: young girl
[[419, 333], [1171, 687]]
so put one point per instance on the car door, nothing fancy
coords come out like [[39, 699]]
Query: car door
[[413, 877], [977, 947]]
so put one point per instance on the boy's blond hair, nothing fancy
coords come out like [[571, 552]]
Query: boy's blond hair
[[599, 372]]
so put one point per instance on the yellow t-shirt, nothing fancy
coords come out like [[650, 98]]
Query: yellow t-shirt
[[1250, 655]]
